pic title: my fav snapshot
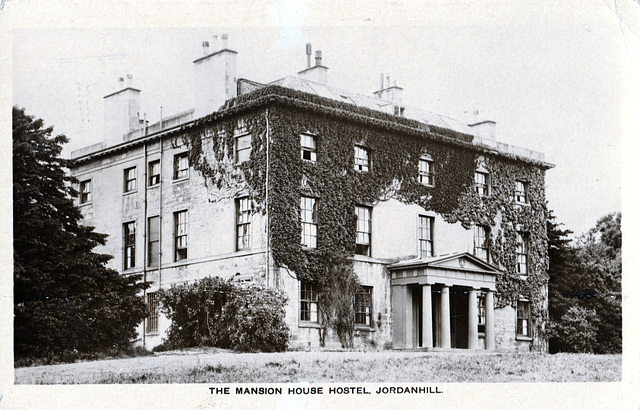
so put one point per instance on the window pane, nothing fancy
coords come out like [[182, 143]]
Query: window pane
[[363, 231]]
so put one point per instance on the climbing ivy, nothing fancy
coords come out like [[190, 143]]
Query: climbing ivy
[[395, 145]]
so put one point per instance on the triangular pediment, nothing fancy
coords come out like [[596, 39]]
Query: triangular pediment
[[455, 261], [463, 261]]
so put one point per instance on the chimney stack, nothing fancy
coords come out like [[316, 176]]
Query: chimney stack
[[121, 111], [485, 129], [390, 93], [214, 77], [318, 73]]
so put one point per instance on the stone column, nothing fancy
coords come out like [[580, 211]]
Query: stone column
[[473, 320], [445, 319], [427, 317], [408, 318], [489, 327]]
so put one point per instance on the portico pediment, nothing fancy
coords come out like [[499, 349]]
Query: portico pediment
[[456, 269]]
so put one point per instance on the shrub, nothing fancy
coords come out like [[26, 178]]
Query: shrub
[[576, 331], [215, 312]]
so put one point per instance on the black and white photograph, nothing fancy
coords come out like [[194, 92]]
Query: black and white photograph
[[296, 204]]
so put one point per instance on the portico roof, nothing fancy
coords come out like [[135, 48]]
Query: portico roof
[[454, 269]]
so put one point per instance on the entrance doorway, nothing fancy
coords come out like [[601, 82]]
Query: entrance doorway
[[459, 306]]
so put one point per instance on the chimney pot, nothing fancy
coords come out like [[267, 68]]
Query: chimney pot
[[308, 55], [205, 48], [225, 41], [318, 57]]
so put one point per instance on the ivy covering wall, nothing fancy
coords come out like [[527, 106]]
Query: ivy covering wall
[[395, 145]]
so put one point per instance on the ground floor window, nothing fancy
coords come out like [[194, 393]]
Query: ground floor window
[[363, 306], [152, 318], [308, 302], [523, 319], [482, 311]]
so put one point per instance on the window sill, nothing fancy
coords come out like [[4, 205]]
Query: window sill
[[84, 204], [522, 203], [180, 180], [364, 328], [152, 334], [312, 325], [524, 338], [130, 192], [153, 186]]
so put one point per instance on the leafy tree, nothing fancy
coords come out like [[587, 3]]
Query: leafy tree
[[65, 299], [585, 284]]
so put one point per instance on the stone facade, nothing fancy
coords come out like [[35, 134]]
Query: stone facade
[[413, 300]]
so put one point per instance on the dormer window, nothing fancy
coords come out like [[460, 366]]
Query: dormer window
[[398, 110], [362, 161]]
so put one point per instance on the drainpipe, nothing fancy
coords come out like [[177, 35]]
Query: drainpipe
[[144, 239], [160, 215], [266, 190]]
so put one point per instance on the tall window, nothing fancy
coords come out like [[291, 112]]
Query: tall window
[[308, 302], [363, 231], [522, 253], [85, 191], [308, 147], [523, 324], [481, 242], [425, 170], [243, 148], [152, 308], [130, 179], [309, 220], [521, 193], [154, 173], [482, 311], [180, 235], [482, 183], [363, 306], [243, 223], [153, 241], [181, 165], [425, 236], [129, 229], [362, 161]]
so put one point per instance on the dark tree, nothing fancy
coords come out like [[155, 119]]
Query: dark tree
[[65, 298], [585, 285]]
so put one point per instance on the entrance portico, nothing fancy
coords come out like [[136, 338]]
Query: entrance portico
[[435, 302]]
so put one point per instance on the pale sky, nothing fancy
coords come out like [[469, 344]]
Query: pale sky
[[553, 76]]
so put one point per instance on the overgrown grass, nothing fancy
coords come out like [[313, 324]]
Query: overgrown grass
[[333, 367]]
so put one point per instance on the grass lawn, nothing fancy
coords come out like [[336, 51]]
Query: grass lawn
[[317, 367]]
